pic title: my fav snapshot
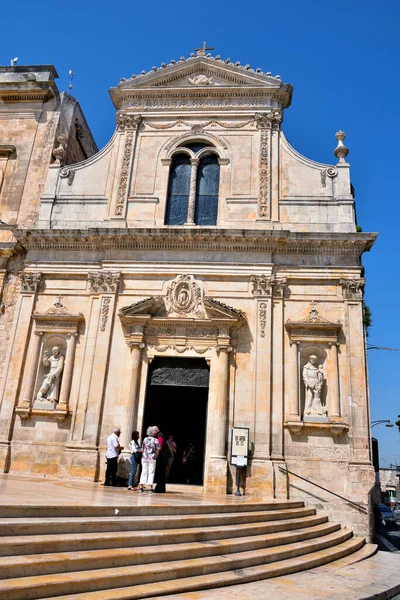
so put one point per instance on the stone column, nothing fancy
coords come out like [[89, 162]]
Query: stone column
[[68, 371], [220, 413], [293, 380], [192, 191], [334, 404], [27, 395], [130, 414]]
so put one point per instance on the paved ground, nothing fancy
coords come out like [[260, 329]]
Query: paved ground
[[371, 578]]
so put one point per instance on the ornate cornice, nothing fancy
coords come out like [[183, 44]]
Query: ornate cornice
[[196, 238]]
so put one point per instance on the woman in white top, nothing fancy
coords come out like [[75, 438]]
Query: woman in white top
[[151, 448], [136, 451]]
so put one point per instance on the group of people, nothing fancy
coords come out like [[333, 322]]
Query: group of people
[[155, 455]]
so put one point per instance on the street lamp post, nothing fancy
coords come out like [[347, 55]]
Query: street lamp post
[[380, 422]]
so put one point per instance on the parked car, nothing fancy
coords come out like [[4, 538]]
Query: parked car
[[387, 517]]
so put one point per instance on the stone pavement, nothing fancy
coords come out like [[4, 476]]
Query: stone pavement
[[376, 578]]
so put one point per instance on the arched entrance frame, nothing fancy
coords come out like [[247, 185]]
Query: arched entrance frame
[[148, 336]]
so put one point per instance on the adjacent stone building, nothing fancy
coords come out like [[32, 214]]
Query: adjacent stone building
[[197, 272]]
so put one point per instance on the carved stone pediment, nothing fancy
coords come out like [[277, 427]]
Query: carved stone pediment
[[181, 317], [199, 75], [313, 327], [57, 319], [189, 71]]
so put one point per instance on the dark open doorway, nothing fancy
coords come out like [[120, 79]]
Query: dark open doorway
[[176, 401]]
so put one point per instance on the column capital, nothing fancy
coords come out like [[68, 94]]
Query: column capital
[[136, 344], [30, 282], [102, 282], [223, 349], [194, 161]]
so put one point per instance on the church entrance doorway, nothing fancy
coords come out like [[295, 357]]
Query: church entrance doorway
[[176, 401]]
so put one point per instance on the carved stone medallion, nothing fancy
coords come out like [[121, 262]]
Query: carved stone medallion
[[185, 297]]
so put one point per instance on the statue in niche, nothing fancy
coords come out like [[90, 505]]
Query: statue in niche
[[313, 377], [49, 389]]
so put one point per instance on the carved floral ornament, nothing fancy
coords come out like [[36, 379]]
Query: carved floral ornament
[[128, 121], [30, 281], [103, 282], [353, 289], [313, 327], [57, 319], [264, 285]]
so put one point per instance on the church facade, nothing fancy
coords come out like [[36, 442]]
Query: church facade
[[196, 273]]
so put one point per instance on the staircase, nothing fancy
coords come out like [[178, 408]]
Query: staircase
[[147, 550]]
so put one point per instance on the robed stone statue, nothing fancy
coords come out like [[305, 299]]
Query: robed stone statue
[[49, 390], [313, 378]]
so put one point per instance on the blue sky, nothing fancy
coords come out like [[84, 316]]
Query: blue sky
[[343, 60]]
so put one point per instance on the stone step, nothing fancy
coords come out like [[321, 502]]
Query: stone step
[[222, 578], [67, 562], [36, 526], [35, 544], [139, 577], [132, 510]]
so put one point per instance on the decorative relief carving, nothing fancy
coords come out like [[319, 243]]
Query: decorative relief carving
[[128, 121], [30, 282], [160, 331], [269, 120], [189, 373], [105, 309], [181, 349], [207, 333], [353, 288], [330, 172], [231, 101], [202, 79], [185, 297], [268, 286], [262, 316], [184, 136], [263, 201], [210, 123], [123, 182], [103, 282]]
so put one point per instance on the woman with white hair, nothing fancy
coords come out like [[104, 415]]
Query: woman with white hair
[[151, 448]]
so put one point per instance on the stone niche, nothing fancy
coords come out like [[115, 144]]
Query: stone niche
[[48, 372], [313, 375]]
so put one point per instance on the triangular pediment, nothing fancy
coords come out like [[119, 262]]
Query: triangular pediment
[[200, 75], [155, 306]]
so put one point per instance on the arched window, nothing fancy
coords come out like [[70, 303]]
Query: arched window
[[193, 187], [207, 191], [178, 190]]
